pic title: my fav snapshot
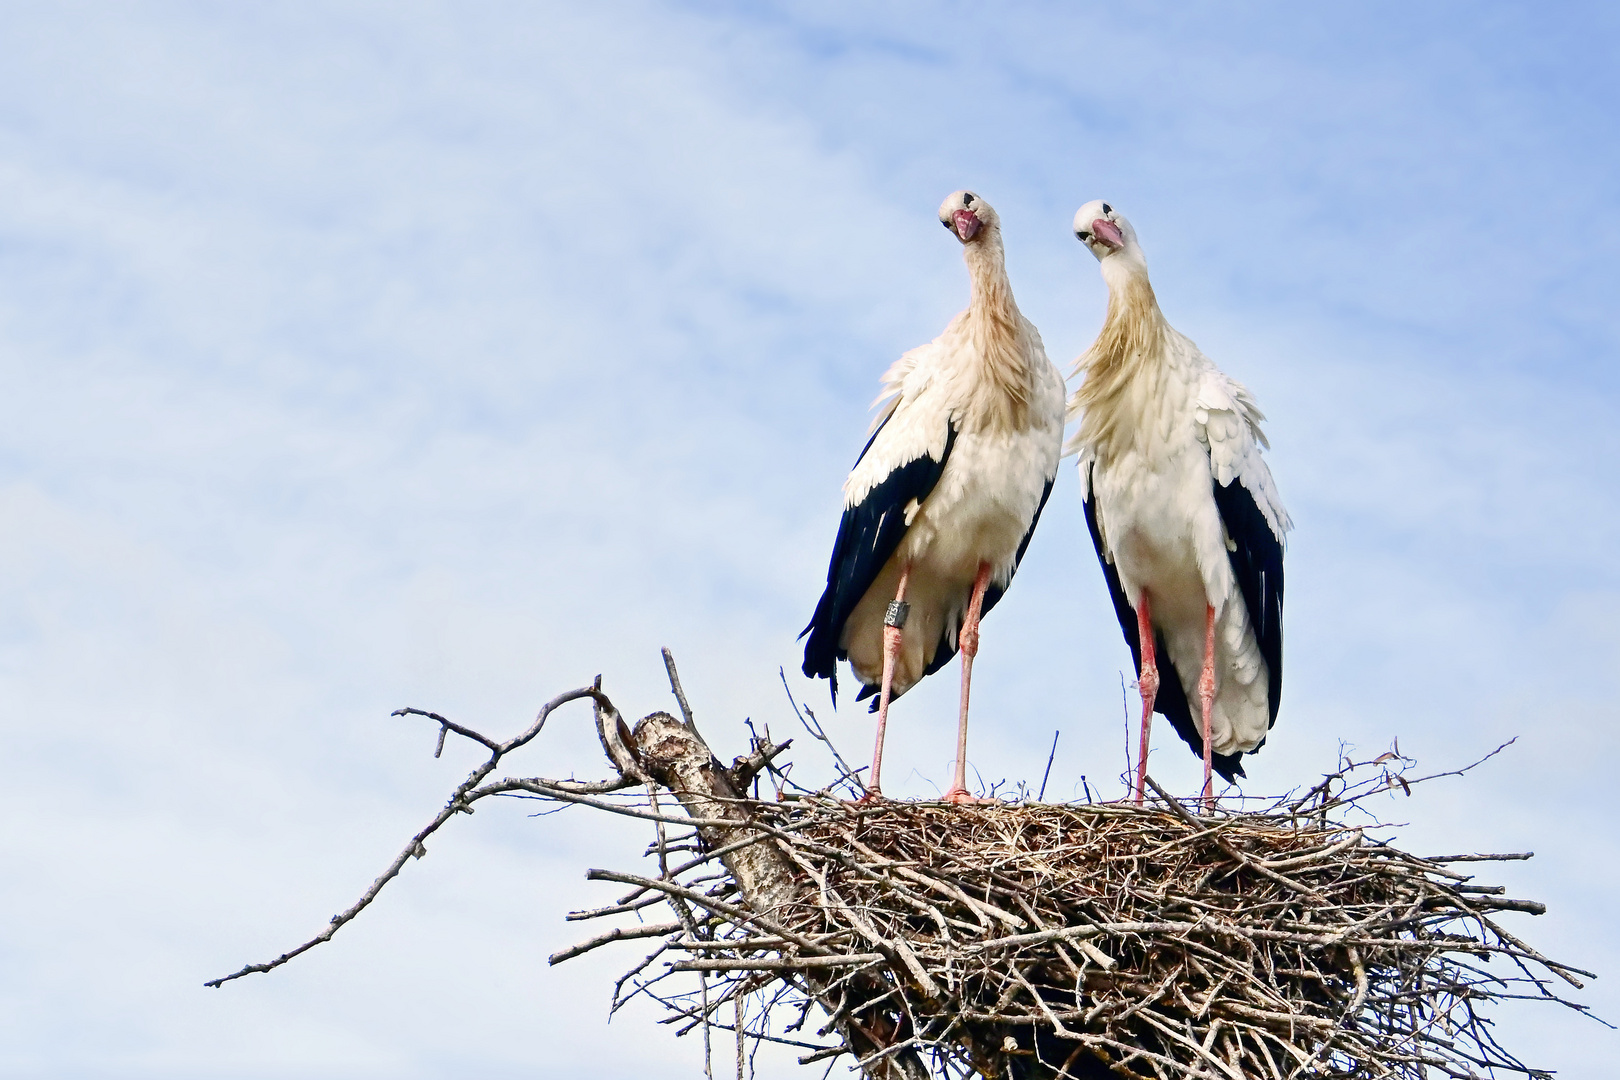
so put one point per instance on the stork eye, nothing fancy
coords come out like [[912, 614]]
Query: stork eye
[[945, 223], [1082, 234], [967, 199], [1107, 209]]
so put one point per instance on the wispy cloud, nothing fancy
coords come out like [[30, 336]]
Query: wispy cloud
[[366, 355]]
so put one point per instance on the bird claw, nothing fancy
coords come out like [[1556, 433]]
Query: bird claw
[[962, 797]]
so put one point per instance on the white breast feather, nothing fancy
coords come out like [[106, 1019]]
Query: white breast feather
[[981, 507]]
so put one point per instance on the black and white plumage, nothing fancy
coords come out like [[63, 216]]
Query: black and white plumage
[[1183, 513], [944, 498]]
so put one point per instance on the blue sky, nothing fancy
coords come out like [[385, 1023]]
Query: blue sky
[[358, 356]]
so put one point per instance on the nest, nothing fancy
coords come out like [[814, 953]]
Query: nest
[[1025, 940], [1032, 941]]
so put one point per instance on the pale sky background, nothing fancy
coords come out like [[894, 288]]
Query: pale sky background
[[366, 355]]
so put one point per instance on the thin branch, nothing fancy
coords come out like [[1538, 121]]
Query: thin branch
[[458, 803], [675, 685], [618, 933], [1163, 943], [449, 725], [813, 726], [1047, 774]]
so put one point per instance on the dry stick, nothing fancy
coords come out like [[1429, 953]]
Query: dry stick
[[1320, 855], [947, 888], [1125, 707], [1226, 846], [1238, 944], [554, 789], [749, 944], [457, 804], [813, 726], [679, 907], [620, 933], [800, 963], [1052, 754], [1561, 970], [1191, 1044], [1088, 949], [449, 725], [632, 973], [675, 685], [893, 948], [730, 911], [1466, 768], [899, 891], [678, 756], [687, 1014], [823, 1055], [1040, 1003], [612, 909]]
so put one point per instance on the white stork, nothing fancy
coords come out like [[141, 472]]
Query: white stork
[[1184, 515], [944, 498]]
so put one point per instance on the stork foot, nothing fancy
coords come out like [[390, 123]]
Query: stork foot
[[963, 797], [872, 796]]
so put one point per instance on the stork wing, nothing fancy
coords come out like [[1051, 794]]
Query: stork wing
[[899, 467], [1255, 521], [1171, 700]]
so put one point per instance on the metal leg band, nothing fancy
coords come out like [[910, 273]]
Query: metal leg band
[[896, 615]]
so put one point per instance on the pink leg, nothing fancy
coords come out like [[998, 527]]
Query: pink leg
[[1147, 684], [893, 623], [1206, 698], [969, 644]]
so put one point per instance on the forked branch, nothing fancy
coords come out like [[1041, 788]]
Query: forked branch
[[461, 801]]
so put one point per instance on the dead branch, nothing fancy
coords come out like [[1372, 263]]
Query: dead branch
[[1030, 940], [459, 802]]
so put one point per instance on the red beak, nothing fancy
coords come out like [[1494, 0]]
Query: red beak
[[967, 224], [1108, 233]]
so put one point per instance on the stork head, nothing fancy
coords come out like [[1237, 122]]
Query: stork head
[[969, 217], [1104, 230]]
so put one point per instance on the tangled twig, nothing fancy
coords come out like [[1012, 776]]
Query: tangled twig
[[1034, 940], [1157, 942]]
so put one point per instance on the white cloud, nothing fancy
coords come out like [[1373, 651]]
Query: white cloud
[[365, 356]]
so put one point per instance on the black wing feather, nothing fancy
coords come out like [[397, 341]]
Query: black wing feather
[[1257, 563], [868, 534], [1171, 700], [945, 651]]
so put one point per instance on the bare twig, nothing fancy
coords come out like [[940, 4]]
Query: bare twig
[[458, 803], [813, 726], [618, 933], [1047, 774], [1155, 942], [1178, 945], [675, 685]]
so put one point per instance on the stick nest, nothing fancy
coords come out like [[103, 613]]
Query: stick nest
[[1093, 940], [1028, 940]]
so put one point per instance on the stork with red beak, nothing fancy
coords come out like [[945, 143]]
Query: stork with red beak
[[1183, 513], [944, 498]]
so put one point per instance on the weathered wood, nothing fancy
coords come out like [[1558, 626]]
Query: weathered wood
[[673, 754], [1209, 945]]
